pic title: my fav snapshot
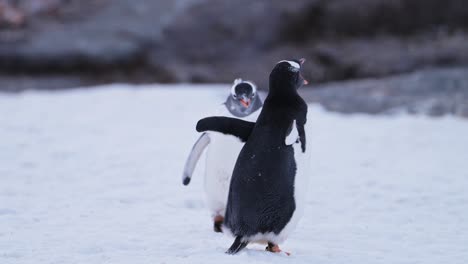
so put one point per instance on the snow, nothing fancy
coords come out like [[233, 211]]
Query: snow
[[94, 176]]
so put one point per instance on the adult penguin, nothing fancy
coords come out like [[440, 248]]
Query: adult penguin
[[222, 150], [268, 185]]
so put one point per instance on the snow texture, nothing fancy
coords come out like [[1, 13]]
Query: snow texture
[[94, 176]]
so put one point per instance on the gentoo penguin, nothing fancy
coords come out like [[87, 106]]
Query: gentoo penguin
[[243, 102], [267, 190]]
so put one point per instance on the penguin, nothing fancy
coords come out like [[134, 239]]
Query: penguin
[[222, 150], [268, 184]]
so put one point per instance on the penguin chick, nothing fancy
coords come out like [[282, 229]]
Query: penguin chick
[[222, 150]]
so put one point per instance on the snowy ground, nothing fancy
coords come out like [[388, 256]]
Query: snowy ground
[[94, 176]]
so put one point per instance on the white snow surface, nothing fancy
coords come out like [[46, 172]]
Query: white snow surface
[[94, 176]]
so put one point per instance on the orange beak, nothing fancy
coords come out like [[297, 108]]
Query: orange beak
[[245, 103]]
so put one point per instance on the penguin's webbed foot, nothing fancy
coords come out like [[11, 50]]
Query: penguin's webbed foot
[[275, 249], [218, 222]]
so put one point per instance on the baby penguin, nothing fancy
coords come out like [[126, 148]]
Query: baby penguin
[[222, 150]]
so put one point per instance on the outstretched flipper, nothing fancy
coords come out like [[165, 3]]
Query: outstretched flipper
[[194, 156], [227, 125], [237, 246]]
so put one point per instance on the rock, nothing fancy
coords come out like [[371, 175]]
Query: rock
[[342, 42], [217, 41], [10, 16], [101, 37], [434, 92]]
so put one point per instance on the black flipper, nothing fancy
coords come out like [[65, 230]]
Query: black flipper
[[237, 246], [300, 127], [227, 125], [302, 136]]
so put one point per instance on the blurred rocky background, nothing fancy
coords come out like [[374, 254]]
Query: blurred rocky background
[[413, 54]]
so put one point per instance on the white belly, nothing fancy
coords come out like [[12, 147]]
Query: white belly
[[221, 157]]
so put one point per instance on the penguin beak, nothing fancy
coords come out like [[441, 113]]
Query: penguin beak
[[245, 102], [301, 61]]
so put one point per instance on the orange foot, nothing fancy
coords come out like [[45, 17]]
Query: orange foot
[[275, 249], [218, 222]]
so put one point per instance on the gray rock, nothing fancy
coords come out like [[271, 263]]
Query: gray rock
[[433, 92], [90, 36], [215, 41], [343, 39]]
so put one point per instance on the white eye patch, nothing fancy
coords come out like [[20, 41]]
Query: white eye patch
[[292, 63], [239, 81], [233, 87]]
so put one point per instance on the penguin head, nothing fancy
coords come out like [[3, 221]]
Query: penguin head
[[243, 99], [287, 73]]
